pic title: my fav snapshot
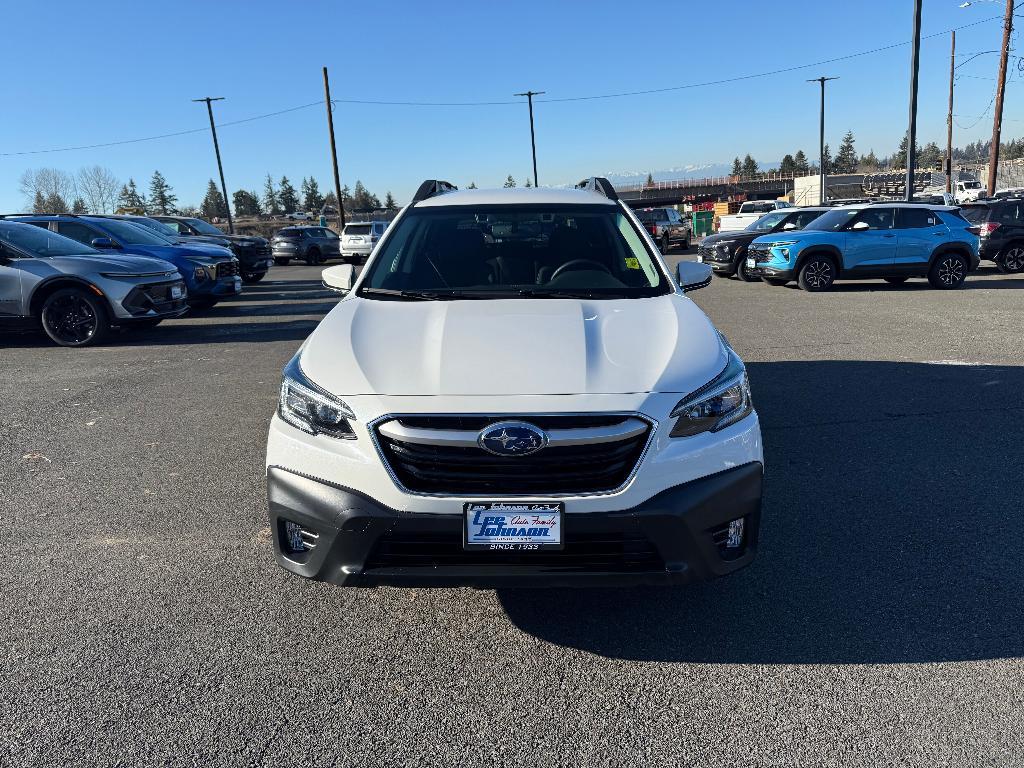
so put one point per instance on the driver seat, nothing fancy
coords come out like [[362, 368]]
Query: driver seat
[[565, 245]]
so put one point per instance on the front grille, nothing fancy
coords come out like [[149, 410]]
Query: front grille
[[759, 253], [227, 269], [608, 552], [460, 470], [254, 250], [144, 298]]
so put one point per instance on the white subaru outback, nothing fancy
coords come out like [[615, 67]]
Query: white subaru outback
[[515, 392]]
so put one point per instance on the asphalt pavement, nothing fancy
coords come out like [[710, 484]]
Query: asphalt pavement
[[146, 623]]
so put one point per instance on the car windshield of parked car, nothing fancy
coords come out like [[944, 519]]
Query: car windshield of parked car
[[833, 220], [157, 226], [767, 222], [133, 234], [513, 251], [39, 241], [657, 215], [204, 227]]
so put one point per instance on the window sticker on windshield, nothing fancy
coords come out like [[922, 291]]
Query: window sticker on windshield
[[632, 263]]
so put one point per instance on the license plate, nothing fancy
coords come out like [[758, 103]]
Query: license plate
[[237, 284], [268, 263], [175, 291], [503, 526], [751, 263], [700, 259]]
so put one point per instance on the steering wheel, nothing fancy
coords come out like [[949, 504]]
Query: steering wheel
[[576, 264]]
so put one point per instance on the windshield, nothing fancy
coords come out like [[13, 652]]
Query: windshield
[[833, 220], [767, 222], [657, 214], [39, 241], [157, 226], [204, 227], [514, 251], [971, 184], [133, 234]]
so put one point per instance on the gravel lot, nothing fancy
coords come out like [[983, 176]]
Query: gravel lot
[[145, 621]]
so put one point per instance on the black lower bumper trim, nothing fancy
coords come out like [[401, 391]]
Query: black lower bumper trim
[[675, 537]]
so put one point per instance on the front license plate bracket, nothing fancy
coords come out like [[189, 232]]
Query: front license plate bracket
[[500, 526]]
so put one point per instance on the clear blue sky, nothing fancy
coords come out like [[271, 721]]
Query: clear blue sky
[[83, 73]]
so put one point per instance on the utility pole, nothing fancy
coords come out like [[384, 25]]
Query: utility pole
[[949, 117], [334, 151], [533, 142], [997, 121], [823, 196], [915, 60], [220, 167]]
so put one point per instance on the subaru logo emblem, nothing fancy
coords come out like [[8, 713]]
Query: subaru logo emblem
[[512, 438]]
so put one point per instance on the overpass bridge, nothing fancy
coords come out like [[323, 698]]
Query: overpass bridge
[[765, 186]]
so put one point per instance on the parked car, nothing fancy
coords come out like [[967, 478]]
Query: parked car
[[969, 190], [359, 238], [75, 293], [314, 245], [748, 213], [253, 253], [1000, 224], [298, 216], [522, 409], [667, 226], [210, 272], [726, 252], [893, 241]]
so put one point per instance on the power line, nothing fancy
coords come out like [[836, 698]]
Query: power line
[[667, 89]]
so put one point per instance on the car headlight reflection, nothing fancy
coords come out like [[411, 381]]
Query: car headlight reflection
[[306, 406], [723, 401]]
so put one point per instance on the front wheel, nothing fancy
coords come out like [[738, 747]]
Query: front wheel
[[818, 273], [313, 257], [948, 271], [1011, 261], [665, 245], [741, 270], [73, 318], [282, 261], [253, 277]]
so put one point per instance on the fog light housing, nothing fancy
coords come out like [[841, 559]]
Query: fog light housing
[[734, 535], [298, 539]]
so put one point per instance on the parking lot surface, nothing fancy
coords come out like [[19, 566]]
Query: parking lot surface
[[145, 621]]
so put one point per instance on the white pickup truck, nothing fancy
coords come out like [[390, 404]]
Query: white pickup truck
[[750, 212]]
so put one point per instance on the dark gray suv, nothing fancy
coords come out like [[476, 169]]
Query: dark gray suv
[[77, 293], [313, 245]]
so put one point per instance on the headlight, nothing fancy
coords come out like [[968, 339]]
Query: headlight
[[199, 274], [307, 407], [721, 402]]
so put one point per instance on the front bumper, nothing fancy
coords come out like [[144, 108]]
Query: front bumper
[[674, 537], [762, 269]]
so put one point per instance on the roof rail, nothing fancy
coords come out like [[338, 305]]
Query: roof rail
[[600, 185], [431, 188], [12, 215]]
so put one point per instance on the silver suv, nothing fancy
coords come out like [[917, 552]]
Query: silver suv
[[358, 239], [76, 293]]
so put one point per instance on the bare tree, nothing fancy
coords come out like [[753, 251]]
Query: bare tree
[[50, 183], [99, 187]]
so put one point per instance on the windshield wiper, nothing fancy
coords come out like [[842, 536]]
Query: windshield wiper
[[413, 295]]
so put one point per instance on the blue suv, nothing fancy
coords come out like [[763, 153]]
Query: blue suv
[[211, 273], [893, 241]]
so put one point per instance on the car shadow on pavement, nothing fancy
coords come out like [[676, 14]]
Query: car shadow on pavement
[[892, 531]]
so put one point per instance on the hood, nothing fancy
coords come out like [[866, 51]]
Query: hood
[[129, 265], [246, 239], [723, 237], [202, 240], [796, 236], [514, 347]]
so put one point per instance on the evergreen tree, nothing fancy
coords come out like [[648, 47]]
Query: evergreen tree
[[931, 157], [55, 203], [312, 200], [130, 197], [509, 182], [213, 206], [846, 158], [161, 197], [737, 167], [246, 203], [287, 196], [800, 164], [868, 163], [39, 202], [899, 160], [79, 206], [389, 202], [362, 200], [826, 160], [788, 165], [271, 200], [472, 185], [650, 179], [346, 198], [374, 202], [528, 182], [330, 201], [749, 166]]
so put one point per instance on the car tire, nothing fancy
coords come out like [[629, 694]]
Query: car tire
[[817, 273], [688, 242], [741, 270], [252, 277], [283, 261], [313, 256], [665, 244], [145, 325], [896, 279], [949, 270], [73, 317], [1011, 260]]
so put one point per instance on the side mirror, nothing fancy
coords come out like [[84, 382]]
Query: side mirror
[[788, 226], [103, 242], [860, 226], [692, 276], [338, 278]]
